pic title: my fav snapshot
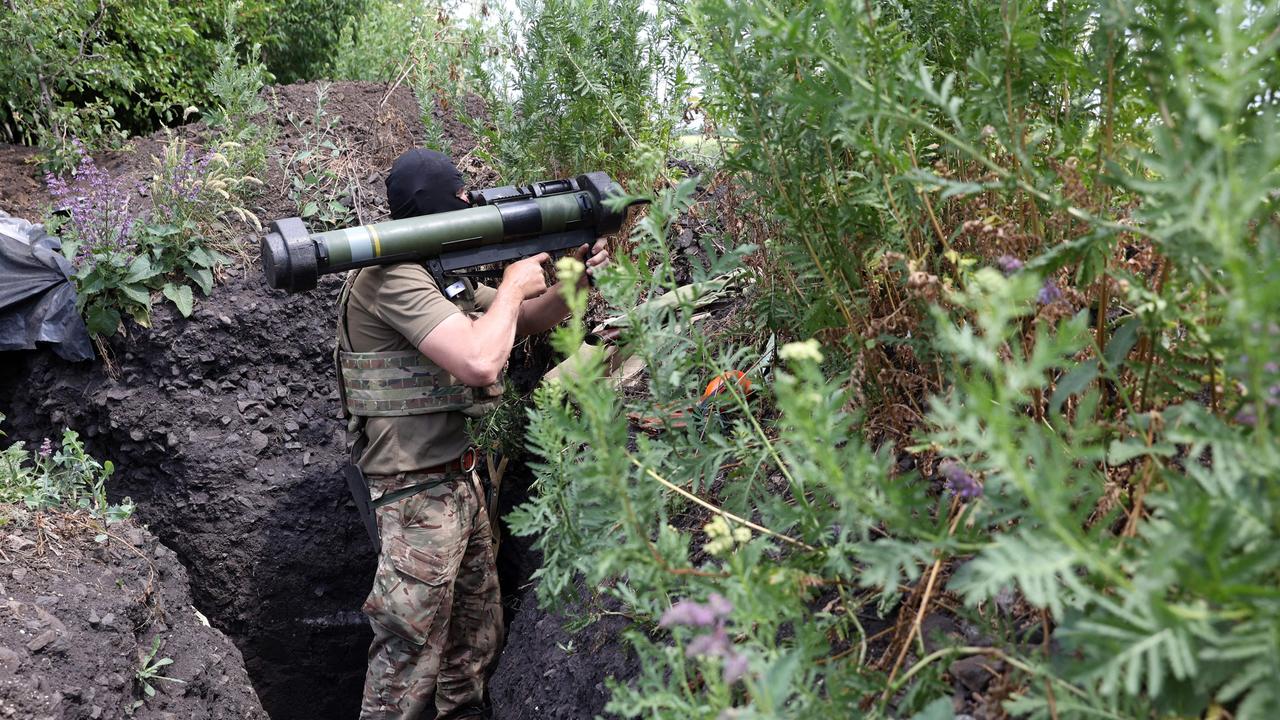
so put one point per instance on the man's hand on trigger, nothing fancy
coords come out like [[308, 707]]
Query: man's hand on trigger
[[528, 275], [599, 257]]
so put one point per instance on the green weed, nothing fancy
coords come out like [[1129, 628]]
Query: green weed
[[1026, 256], [238, 110], [58, 477], [148, 672], [320, 184]]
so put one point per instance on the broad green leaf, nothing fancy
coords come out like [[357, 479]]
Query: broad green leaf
[[137, 294], [1073, 382], [310, 209], [203, 277], [91, 282], [181, 297], [140, 269], [200, 256], [141, 314], [102, 320], [940, 709], [163, 230]]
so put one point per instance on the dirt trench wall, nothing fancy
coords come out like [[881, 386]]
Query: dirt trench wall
[[225, 432], [81, 614]]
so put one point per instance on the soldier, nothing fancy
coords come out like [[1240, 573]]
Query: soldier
[[421, 358]]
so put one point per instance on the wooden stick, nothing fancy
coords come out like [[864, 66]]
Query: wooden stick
[[924, 604], [723, 513]]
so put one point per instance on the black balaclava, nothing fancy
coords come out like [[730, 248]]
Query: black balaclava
[[422, 182]]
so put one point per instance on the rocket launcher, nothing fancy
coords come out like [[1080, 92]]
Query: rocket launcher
[[503, 224]]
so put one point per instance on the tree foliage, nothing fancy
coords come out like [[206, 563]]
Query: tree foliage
[[92, 69]]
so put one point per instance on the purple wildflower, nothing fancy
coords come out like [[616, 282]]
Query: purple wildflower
[[711, 644], [719, 605], [715, 644], [97, 208], [46, 448], [735, 666], [958, 480], [688, 612], [181, 182], [1272, 367], [1049, 293], [1247, 418], [694, 614], [1008, 264]]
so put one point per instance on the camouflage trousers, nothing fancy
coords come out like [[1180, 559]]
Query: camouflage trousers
[[435, 607]]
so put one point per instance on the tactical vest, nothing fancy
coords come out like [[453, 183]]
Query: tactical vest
[[402, 382]]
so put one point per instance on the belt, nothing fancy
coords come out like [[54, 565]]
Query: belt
[[451, 470], [466, 462]]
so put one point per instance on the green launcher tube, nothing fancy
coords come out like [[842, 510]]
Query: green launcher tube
[[430, 236], [504, 223]]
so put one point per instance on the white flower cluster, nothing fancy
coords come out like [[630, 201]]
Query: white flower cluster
[[722, 537], [802, 350]]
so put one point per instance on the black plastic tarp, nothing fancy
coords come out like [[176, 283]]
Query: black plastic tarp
[[37, 296]]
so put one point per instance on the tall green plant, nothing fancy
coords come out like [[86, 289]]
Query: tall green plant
[[1039, 245], [238, 108]]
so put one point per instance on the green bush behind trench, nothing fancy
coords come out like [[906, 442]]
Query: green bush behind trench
[[94, 69]]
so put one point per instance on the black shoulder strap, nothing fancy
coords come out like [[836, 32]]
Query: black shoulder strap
[[343, 343]]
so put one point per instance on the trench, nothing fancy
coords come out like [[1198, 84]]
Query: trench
[[224, 431]]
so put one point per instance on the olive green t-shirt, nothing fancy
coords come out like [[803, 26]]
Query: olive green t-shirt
[[391, 308]]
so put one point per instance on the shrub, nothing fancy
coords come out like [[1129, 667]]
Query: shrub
[[596, 86], [95, 71], [300, 38], [238, 112], [121, 256]]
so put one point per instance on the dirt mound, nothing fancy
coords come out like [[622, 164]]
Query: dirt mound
[[81, 616], [22, 192]]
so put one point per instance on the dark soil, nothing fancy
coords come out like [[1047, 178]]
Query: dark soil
[[79, 618], [548, 672], [224, 429], [22, 192]]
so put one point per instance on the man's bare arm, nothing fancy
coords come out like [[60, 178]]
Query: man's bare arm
[[475, 351]]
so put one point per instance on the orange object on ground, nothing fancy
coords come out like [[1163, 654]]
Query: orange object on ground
[[718, 384]]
